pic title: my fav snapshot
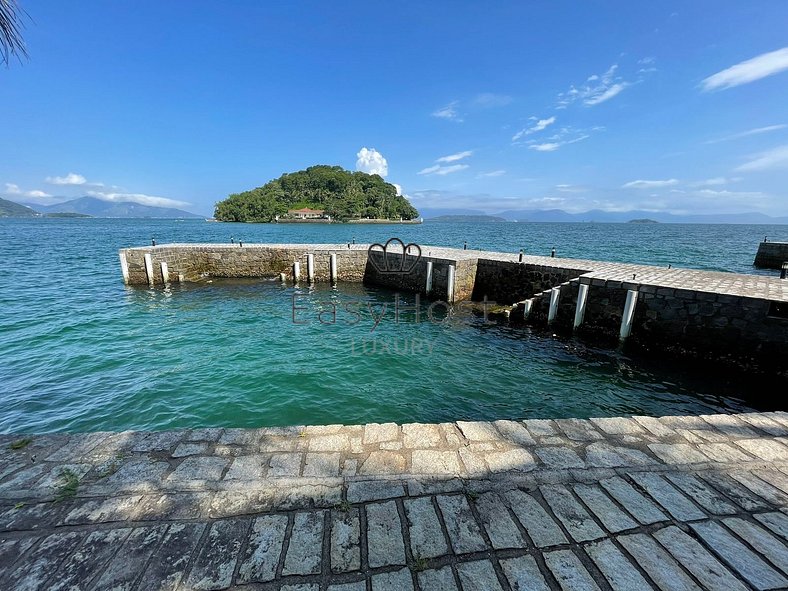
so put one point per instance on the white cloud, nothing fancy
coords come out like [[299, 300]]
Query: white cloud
[[650, 184], [717, 181], [548, 147], [766, 64], [455, 157], [140, 198], [776, 158], [442, 170], [570, 189], [488, 100], [70, 179], [749, 132], [597, 89], [398, 188], [492, 173], [449, 112], [607, 94], [12, 189], [540, 125], [372, 162]]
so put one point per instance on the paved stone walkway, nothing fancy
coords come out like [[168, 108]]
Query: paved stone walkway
[[616, 503]]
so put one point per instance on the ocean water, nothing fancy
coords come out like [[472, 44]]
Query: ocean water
[[80, 351]]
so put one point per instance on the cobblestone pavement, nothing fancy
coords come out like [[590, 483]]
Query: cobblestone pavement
[[615, 503]]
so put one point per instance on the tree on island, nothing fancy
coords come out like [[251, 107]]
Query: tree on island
[[11, 42], [342, 194]]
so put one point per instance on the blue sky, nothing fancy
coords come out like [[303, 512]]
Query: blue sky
[[662, 106]]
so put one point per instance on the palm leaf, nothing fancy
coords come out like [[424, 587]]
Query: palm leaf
[[11, 42]]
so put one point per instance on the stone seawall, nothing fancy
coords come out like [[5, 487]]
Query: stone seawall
[[771, 255], [740, 320]]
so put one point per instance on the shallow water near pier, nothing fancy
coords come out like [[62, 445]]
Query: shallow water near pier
[[79, 351]]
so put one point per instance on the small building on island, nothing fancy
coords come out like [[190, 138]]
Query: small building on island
[[306, 213]]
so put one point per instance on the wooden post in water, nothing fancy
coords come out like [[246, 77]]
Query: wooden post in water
[[555, 295], [629, 313], [332, 267], [310, 267], [149, 268], [124, 267], [582, 299], [165, 272]]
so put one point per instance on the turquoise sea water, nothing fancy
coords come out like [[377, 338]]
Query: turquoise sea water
[[80, 351]]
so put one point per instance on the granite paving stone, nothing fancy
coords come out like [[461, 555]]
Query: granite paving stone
[[384, 535], [763, 542], [34, 570], [398, 580], [657, 563], [345, 541], [464, 533], [523, 574], [577, 521], [540, 526], [130, 561], [754, 570], [478, 574], [642, 509], [304, 551], [424, 528], [214, 565], [167, 565], [613, 518], [675, 503], [417, 435], [697, 560], [617, 569], [441, 579], [500, 526], [569, 571], [263, 549], [777, 522], [701, 493]]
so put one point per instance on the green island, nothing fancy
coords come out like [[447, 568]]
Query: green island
[[643, 221], [338, 194]]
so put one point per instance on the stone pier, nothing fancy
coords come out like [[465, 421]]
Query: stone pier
[[723, 318], [624, 503], [771, 255]]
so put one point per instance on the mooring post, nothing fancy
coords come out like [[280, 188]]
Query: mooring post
[[149, 268], [527, 305], [165, 272], [552, 253], [450, 285], [310, 267], [629, 313], [283, 277], [784, 272], [332, 267], [555, 295], [465, 245], [428, 286], [296, 271], [521, 256], [124, 267], [580, 310]]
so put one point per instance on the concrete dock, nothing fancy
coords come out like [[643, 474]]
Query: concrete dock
[[612, 503]]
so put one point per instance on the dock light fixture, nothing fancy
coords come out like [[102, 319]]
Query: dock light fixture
[[552, 253], [232, 240], [153, 242]]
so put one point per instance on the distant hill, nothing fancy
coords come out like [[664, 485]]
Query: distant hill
[[642, 221], [476, 219], [110, 209], [600, 216], [10, 209]]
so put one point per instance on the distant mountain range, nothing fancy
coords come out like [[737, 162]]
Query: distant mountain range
[[476, 219], [104, 209], [597, 215], [10, 209]]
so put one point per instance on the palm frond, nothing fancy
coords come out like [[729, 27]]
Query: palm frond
[[11, 25]]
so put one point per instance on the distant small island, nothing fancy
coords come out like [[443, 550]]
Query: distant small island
[[67, 214], [318, 194], [476, 219], [642, 221]]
